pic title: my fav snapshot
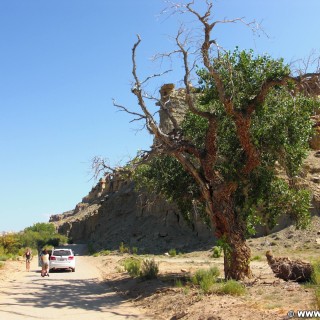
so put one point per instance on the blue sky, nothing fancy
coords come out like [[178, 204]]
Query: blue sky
[[62, 62]]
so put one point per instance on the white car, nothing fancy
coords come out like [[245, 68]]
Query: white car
[[62, 259]]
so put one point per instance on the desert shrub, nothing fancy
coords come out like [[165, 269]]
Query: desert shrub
[[315, 276], [91, 249], [213, 272], [178, 283], [123, 248], [317, 298], [256, 258], [216, 252], [149, 269], [4, 257], [172, 252], [1, 264], [132, 266], [134, 250], [232, 287], [101, 253], [205, 278]]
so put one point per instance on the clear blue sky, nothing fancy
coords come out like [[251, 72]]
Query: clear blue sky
[[62, 62]]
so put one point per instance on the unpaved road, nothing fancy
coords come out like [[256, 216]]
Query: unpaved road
[[64, 295]]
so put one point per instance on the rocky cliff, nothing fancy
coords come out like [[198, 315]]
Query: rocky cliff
[[108, 217]]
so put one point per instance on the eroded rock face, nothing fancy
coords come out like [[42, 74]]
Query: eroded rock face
[[138, 220]]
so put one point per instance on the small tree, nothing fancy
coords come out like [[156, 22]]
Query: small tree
[[249, 115]]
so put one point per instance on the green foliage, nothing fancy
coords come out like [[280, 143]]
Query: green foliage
[[315, 277], [280, 129], [42, 228], [132, 266], [178, 283], [123, 248], [101, 253], [40, 235], [172, 252], [164, 175], [205, 278], [149, 269], [10, 243], [4, 257], [91, 249], [256, 258], [317, 297], [2, 264], [231, 287], [37, 236], [216, 252], [134, 250]]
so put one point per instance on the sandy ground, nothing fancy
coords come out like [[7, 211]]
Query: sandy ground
[[63, 295], [101, 289], [267, 297]]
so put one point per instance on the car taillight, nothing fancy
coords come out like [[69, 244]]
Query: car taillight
[[52, 258], [71, 258]]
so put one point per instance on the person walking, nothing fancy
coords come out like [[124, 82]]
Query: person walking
[[45, 263], [28, 256]]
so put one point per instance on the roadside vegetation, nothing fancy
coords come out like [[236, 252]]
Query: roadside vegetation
[[145, 269], [38, 236]]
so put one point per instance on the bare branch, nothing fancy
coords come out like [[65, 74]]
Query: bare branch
[[122, 108], [155, 76]]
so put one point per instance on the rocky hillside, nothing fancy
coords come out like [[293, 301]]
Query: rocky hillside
[[109, 216]]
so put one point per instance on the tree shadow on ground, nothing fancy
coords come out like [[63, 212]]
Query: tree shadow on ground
[[71, 294], [138, 288]]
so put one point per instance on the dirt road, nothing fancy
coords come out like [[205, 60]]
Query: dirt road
[[64, 295]]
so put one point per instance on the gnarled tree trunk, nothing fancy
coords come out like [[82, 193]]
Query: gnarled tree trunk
[[237, 257], [231, 230]]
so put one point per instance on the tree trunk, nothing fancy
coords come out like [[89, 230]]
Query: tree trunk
[[230, 229], [237, 257]]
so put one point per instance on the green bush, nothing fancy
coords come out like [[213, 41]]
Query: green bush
[[216, 252], [206, 278], [4, 257], [315, 276], [256, 258], [178, 283], [149, 269], [317, 296], [123, 248], [132, 266], [2, 264], [91, 249], [232, 287], [172, 252], [105, 252], [134, 250]]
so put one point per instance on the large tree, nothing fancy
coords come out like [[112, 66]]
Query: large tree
[[243, 119]]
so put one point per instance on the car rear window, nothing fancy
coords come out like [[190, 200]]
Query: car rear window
[[62, 253]]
